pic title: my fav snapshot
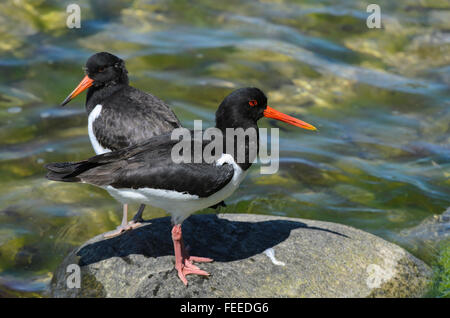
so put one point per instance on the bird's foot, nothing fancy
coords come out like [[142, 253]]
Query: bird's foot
[[122, 228], [126, 226], [134, 224], [183, 261], [188, 268]]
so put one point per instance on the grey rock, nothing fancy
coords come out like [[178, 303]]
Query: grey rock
[[435, 228], [309, 259], [426, 238]]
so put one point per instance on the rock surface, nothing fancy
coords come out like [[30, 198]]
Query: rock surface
[[433, 229], [255, 256], [427, 238]]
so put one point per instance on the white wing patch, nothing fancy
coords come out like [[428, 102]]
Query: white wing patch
[[95, 113]]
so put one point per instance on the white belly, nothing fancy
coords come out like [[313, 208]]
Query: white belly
[[180, 205], [95, 113]]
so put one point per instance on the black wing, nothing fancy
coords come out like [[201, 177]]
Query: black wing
[[147, 165], [130, 117]]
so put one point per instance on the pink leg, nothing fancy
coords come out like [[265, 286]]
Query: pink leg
[[124, 226], [183, 262]]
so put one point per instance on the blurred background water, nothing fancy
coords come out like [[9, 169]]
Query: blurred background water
[[380, 98]]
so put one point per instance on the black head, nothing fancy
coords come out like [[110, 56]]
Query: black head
[[106, 69], [242, 108], [102, 70], [245, 106]]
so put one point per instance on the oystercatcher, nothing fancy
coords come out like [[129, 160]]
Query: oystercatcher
[[120, 115], [147, 174]]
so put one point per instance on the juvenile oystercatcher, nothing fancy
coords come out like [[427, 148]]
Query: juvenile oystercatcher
[[147, 174], [120, 115]]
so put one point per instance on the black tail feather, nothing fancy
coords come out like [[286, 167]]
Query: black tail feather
[[68, 171], [54, 176], [62, 167]]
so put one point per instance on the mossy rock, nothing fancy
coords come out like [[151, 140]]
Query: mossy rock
[[311, 259]]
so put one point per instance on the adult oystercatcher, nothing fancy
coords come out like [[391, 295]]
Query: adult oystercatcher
[[120, 115], [146, 173]]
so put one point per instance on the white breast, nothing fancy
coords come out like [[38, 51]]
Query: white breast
[[180, 205], [95, 113]]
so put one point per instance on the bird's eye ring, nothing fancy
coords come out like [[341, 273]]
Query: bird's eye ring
[[101, 69], [253, 103]]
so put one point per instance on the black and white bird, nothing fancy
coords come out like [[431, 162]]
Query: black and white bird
[[147, 174], [120, 115]]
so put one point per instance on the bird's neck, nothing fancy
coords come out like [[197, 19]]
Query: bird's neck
[[97, 94], [246, 143]]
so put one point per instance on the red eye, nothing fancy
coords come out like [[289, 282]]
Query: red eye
[[253, 103]]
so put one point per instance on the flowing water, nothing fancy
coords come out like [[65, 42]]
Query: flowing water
[[380, 98]]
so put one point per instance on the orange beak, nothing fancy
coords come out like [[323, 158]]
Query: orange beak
[[275, 114], [84, 84]]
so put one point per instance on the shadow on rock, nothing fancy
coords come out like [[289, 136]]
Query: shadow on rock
[[205, 235]]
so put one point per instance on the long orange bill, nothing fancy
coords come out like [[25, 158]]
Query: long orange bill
[[275, 114], [84, 84]]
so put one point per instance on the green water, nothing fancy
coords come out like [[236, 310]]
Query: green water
[[379, 162]]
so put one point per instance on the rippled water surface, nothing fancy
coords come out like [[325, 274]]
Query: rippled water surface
[[380, 98]]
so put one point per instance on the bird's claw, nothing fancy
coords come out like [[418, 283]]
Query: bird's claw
[[189, 268], [134, 224], [122, 228]]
